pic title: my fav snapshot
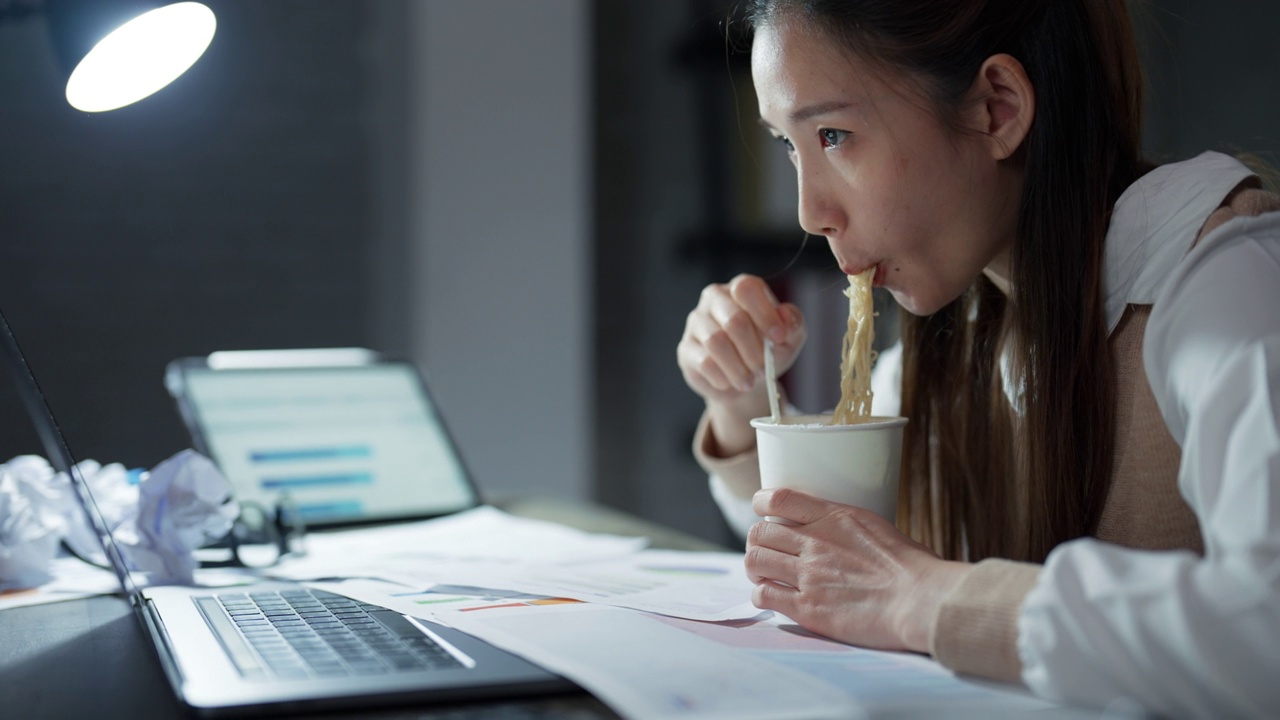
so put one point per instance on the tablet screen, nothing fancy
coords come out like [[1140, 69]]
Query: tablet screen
[[346, 444]]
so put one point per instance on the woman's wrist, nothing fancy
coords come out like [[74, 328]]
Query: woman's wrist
[[730, 422], [921, 608]]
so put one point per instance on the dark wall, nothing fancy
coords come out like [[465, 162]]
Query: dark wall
[[1213, 73], [650, 195], [231, 210]]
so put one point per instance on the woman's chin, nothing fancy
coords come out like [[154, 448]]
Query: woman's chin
[[918, 305], [910, 303]]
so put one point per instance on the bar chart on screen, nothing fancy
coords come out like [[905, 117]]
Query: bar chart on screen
[[344, 443]]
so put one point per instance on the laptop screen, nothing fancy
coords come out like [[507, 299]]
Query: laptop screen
[[346, 444]]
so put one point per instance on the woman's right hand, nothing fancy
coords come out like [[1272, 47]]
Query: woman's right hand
[[721, 353]]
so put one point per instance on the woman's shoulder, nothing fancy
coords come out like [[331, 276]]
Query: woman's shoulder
[[1218, 296], [1247, 200], [1156, 221], [1248, 217]]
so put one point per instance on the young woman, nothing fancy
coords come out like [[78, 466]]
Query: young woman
[[1090, 360]]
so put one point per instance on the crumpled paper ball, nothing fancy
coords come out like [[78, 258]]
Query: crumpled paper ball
[[115, 496], [30, 529], [183, 503]]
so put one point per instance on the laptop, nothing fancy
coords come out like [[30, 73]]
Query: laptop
[[281, 646], [349, 436]]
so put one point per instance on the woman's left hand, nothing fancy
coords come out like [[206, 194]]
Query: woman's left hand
[[845, 572]]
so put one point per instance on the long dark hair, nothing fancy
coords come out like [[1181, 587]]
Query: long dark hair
[[971, 469]]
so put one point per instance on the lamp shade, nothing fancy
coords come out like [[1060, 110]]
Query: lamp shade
[[117, 52]]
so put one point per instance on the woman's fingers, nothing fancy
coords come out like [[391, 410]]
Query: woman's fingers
[[753, 295], [735, 323], [730, 335], [776, 536], [769, 595], [793, 505], [722, 351], [764, 563], [721, 361], [795, 336], [701, 371]]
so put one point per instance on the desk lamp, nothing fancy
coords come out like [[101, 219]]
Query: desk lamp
[[117, 52]]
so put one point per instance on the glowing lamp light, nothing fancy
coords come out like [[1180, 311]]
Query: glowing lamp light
[[140, 56]]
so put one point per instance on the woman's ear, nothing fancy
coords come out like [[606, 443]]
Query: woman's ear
[[1004, 102]]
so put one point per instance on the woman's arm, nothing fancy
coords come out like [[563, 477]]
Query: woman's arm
[[1180, 634]]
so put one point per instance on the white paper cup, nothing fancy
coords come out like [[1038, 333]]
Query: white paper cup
[[850, 464]]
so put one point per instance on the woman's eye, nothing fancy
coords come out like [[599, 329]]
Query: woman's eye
[[832, 138], [785, 143]]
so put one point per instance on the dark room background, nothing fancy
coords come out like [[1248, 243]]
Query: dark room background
[[524, 196], [228, 211]]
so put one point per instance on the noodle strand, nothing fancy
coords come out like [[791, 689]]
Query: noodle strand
[[856, 355]]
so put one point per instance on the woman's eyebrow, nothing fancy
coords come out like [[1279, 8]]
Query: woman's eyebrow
[[809, 112]]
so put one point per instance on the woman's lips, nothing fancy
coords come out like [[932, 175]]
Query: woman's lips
[[876, 280]]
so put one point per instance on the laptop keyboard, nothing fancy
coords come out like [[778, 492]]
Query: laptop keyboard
[[306, 633]]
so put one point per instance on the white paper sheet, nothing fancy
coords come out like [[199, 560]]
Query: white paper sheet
[[643, 668], [439, 604], [72, 579], [630, 664], [482, 535], [694, 585], [881, 682]]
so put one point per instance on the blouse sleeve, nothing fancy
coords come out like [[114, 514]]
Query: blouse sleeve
[[1177, 633], [733, 480]]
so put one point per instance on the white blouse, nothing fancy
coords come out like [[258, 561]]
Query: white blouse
[[1174, 632]]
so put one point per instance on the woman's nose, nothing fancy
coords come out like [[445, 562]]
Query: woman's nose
[[820, 212]]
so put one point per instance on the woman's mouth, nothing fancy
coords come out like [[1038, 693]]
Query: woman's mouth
[[877, 279]]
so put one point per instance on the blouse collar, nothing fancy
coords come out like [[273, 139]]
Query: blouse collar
[[1156, 221]]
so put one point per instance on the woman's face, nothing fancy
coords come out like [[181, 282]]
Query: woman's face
[[879, 175]]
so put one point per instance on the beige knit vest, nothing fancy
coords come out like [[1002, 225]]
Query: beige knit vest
[[1144, 508], [976, 628]]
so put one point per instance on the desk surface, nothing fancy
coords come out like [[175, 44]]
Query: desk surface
[[90, 659]]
